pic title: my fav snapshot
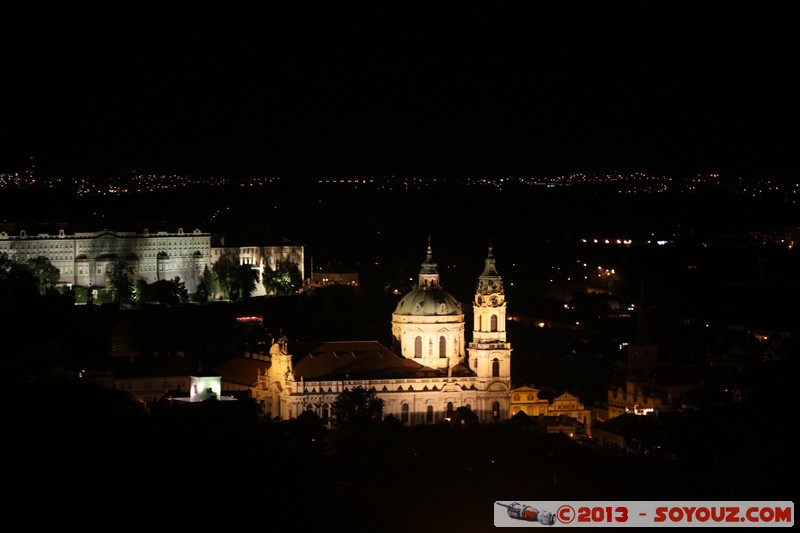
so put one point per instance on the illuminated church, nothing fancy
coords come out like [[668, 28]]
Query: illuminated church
[[430, 372]]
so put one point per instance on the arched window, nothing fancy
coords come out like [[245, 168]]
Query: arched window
[[494, 323], [442, 348], [325, 412], [495, 368], [516, 397], [404, 413], [429, 414], [480, 323], [449, 409], [496, 411], [418, 347]]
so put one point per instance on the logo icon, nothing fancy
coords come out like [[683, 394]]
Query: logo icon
[[528, 513]]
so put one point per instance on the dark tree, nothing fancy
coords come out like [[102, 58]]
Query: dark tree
[[244, 282], [357, 406], [209, 280], [17, 282], [225, 271], [120, 283], [44, 273], [200, 296], [168, 292], [464, 416]]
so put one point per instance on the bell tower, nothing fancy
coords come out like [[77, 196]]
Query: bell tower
[[489, 353]]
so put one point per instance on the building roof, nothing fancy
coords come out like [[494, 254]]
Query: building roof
[[241, 370], [353, 360]]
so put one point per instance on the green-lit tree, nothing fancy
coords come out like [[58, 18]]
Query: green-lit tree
[[357, 407], [45, 274], [285, 279]]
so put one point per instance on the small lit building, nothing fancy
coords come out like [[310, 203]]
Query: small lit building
[[570, 406], [526, 399]]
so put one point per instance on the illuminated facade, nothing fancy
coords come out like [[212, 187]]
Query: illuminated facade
[[85, 259], [263, 259], [526, 399], [429, 374]]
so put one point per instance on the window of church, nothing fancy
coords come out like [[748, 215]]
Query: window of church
[[495, 368], [442, 348], [429, 414], [449, 409], [404, 414], [494, 323], [418, 347]]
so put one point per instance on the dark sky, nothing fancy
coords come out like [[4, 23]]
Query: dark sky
[[529, 89]]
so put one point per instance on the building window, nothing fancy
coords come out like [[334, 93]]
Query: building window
[[496, 411], [449, 409], [494, 323], [404, 413], [418, 347], [429, 414], [442, 348], [325, 412], [495, 368]]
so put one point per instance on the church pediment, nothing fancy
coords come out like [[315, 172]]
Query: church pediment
[[451, 387]]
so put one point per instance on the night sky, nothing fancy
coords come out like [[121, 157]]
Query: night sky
[[529, 89]]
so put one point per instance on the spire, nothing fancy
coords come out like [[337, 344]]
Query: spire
[[489, 270], [489, 280], [428, 275]]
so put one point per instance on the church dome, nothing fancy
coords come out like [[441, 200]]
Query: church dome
[[428, 302], [428, 298]]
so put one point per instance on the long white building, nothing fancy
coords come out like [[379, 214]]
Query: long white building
[[85, 259]]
